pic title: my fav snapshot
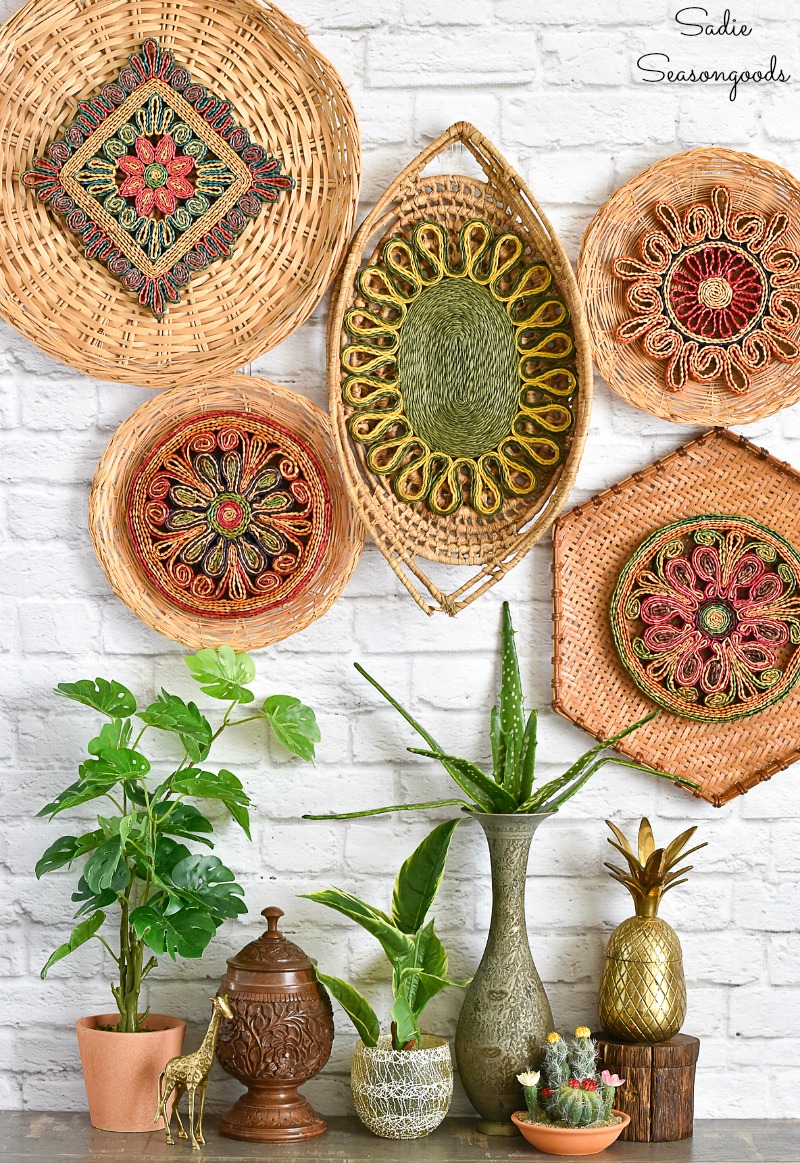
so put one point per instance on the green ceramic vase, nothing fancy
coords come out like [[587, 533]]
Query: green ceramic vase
[[506, 1017]]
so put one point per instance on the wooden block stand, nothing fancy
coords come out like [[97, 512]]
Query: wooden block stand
[[659, 1089]]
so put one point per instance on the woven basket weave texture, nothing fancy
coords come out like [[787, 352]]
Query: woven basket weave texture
[[719, 472], [618, 226], [57, 52]]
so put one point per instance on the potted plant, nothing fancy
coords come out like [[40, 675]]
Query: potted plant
[[166, 899], [506, 1014], [402, 1081], [572, 1111]]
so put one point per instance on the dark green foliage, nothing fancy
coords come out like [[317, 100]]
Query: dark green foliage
[[169, 899]]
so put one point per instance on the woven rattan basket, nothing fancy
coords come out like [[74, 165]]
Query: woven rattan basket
[[756, 187], [407, 530], [57, 52], [718, 473], [139, 472]]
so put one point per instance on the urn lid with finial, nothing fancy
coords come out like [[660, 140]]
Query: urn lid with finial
[[272, 952]]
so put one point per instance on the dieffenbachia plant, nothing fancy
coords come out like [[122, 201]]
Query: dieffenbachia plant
[[169, 899], [510, 786], [416, 955]]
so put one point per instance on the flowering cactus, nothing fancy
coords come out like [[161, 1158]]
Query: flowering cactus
[[529, 1081], [572, 1092]]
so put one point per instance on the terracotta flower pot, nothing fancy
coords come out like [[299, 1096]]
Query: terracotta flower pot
[[121, 1071], [570, 1140]]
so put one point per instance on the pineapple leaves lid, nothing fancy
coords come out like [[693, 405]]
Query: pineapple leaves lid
[[651, 871], [271, 952]]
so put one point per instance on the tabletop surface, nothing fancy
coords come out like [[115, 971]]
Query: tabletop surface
[[29, 1135]]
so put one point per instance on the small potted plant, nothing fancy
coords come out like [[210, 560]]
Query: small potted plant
[[402, 1081], [166, 899], [570, 1105]]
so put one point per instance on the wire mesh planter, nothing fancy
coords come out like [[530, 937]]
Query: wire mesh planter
[[402, 1094]]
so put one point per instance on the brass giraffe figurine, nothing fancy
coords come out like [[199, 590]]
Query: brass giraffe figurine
[[189, 1074]]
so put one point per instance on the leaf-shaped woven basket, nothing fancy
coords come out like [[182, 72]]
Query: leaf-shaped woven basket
[[219, 517], [459, 373], [260, 272]]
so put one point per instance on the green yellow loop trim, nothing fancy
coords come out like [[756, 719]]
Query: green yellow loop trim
[[459, 372]]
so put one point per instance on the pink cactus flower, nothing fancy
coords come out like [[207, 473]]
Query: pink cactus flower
[[609, 1079]]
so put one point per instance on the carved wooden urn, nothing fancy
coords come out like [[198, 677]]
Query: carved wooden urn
[[280, 1036]]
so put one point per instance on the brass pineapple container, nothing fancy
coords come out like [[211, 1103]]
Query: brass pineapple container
[[643, 990]]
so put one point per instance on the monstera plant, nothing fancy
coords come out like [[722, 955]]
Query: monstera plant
[[140, 871]]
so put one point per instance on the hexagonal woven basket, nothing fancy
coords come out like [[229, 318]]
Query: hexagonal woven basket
[[718, 473], [241, 161]]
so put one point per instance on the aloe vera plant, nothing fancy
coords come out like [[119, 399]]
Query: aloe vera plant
[[510, 786], [416, 955]]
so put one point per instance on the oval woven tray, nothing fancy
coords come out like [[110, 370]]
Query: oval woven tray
[[219, 517], [425, 460], [289, 98], [756, 187]]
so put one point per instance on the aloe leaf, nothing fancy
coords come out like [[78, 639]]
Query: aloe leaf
[[355, 1005], [511, 712], [395, 944], [419, 878], [385, 811], [589, 755], [476, 783], [510, 780], [498, 745], [527, 762]]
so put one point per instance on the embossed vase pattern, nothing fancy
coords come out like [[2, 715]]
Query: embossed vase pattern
[[506, 1016], [280, 1036]]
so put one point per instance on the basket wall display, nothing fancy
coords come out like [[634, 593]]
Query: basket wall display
[[681, 585], [219, 516], [459, 372], [179, 181], [690, 274]]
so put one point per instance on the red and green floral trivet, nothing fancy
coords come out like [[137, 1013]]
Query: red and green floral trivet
[[706, 617], [156, 177]]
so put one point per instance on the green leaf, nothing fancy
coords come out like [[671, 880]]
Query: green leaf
[[510, 779], [527, 761], [419, 878], [511, 709], [77, 793], [171, 713], [391, 808], [476, 783], [186, 932], [65, 850], [428, 955], [293, 724], [589, 755], [223, 673], [222, 785], [174, 819], [105, 869], [205, 882], [395, 944], [79, 936], [355, 1005], [498, 745], [115, 765], [89, 900], [112, 736], [406, 1027], [112, 698]]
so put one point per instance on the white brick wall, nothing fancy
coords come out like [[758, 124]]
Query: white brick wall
[[554, 85]]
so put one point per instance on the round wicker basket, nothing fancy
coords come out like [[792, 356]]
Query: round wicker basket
[[406, 531], [131, 539], [57, 52], [686, 180]]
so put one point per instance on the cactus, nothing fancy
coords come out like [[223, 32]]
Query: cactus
[[582, 1054], [580, 1104], [529, 1081], [554, 1064], [571, 1091]]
